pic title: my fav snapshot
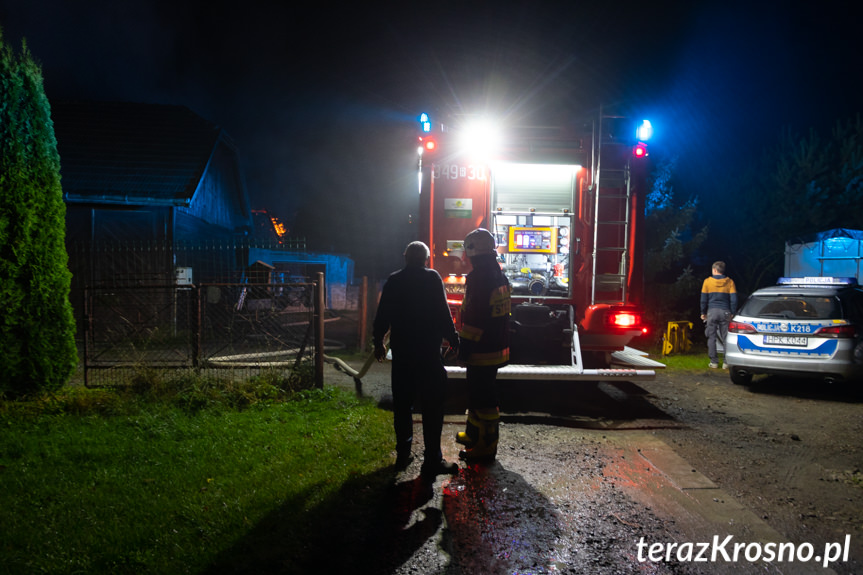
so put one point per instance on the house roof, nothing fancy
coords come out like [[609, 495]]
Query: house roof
[[127, 153]]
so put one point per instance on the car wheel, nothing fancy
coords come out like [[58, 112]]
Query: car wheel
[[740, 377]]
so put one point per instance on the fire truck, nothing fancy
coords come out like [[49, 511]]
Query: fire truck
[[565, 205]]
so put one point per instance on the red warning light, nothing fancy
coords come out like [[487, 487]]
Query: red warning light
[[625, 320], [640, 150], [429, 144]]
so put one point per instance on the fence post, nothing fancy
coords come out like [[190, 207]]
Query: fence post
[[363, 309], [319, 331], [197, 322], [88, 331]]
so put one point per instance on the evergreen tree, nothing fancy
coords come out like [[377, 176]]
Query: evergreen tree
[[37, 329], [803, 184], [672, 238], [818, 181]]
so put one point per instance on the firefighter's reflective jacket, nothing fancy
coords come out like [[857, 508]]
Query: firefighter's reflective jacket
[[485, 315]]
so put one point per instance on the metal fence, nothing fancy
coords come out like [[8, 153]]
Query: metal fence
[[159, 263], [216, 328]]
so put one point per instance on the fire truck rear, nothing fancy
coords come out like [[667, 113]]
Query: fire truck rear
[[565, 207]]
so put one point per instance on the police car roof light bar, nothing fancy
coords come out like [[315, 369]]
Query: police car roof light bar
[[818, 280]]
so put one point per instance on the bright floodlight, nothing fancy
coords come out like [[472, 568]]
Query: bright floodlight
[[480, 138], [644, 131]]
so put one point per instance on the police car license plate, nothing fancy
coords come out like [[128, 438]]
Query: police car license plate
[[786, 340]]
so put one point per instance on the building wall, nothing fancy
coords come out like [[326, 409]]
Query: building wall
[[220, 199], [116, 223]]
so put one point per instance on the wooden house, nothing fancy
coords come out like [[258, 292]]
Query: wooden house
[[147, 172], [155, 197], [139, 182]]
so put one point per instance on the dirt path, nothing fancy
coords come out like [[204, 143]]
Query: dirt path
[[789, 450], [585, 475]]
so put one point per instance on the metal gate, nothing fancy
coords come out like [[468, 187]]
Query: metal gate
[[220, 329]]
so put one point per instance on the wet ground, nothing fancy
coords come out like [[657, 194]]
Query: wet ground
[[623, 478]]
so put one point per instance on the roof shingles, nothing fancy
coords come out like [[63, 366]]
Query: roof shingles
[[131, 153]]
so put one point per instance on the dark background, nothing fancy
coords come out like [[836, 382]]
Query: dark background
[[322, 98]]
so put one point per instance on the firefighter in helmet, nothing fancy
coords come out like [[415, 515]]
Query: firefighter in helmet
[[484, 344]]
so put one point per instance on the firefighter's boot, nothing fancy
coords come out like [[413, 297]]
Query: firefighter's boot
[[485, 448], [470, 435]]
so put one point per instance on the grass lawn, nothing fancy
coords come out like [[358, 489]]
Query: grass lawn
[[686, 361], [110, 485]]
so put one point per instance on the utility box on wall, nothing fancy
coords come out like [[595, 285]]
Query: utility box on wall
[[184, 276]]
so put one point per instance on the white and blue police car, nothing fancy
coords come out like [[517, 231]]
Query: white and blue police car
[[805, 327]]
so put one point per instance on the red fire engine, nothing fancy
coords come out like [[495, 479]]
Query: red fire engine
[[565, 205]]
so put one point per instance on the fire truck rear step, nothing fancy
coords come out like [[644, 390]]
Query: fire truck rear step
[[560, 372], [574, 372]]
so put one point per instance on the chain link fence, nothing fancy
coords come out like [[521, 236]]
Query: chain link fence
[[216, 329], [161, 263]]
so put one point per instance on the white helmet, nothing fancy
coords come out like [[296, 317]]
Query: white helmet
[[479, 242]]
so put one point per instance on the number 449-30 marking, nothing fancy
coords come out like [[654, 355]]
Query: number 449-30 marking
[[456, 172]]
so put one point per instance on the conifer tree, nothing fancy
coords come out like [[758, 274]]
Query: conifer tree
[[673, 237], [37, 327]]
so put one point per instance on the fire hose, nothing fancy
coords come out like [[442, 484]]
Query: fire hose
[[342, 366]]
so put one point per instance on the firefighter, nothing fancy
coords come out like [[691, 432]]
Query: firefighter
[[413, 308], [484, 345]]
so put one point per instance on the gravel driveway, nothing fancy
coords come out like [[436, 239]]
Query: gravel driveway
[[588, 471]]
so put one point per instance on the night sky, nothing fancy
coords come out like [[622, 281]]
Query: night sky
[[321, 99]]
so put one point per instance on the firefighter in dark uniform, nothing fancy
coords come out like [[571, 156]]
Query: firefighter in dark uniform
[[484, 345], [413, 308]]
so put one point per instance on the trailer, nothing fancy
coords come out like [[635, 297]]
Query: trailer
[[831, 253]]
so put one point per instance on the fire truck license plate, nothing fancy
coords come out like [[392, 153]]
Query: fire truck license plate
[[786, 340]]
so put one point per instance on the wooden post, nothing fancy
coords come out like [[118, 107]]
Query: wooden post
[[363, 309], [88, 331], [197, 323], [319, 331]]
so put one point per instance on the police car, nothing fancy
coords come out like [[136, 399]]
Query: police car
[[808, 327]]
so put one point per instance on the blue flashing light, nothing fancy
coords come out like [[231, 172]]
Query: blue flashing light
[[425, 122], [644, 131], [818, 281]]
